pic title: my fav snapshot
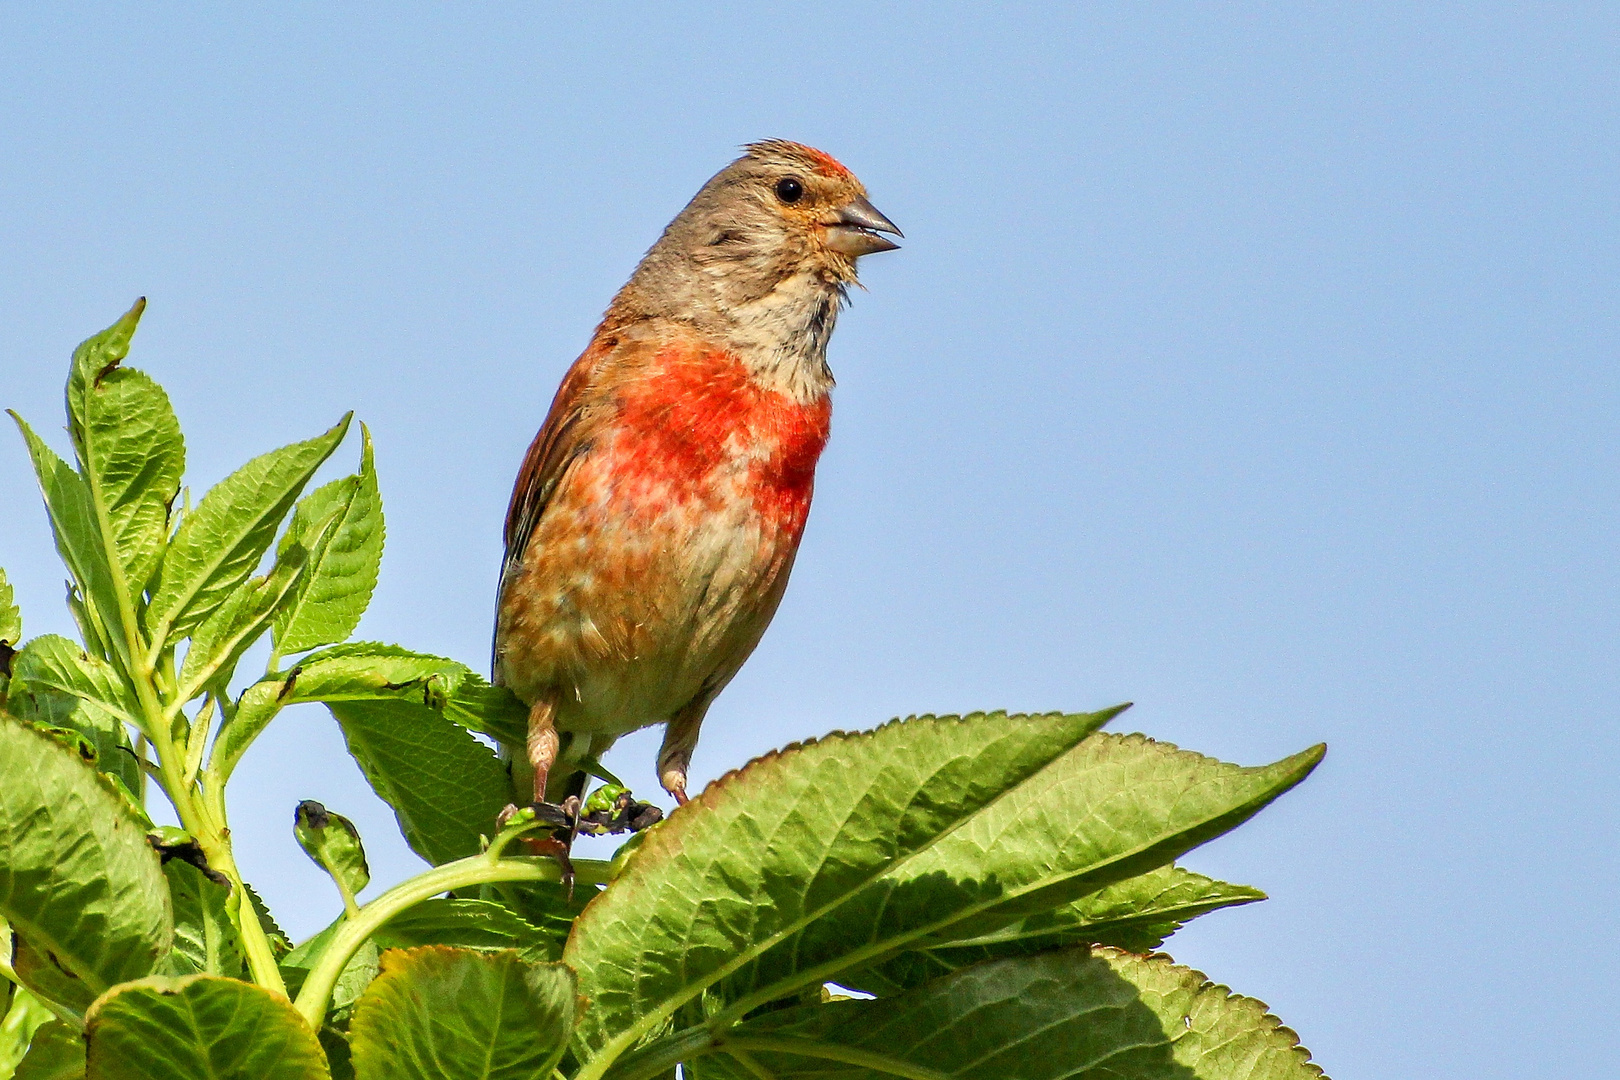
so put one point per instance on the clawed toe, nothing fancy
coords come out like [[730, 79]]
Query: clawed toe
[[564, 815], [555, 847]]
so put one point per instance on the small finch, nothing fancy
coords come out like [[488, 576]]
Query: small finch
[[657, 513]]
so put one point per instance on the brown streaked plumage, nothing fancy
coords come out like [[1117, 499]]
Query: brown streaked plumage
[[657, 513]]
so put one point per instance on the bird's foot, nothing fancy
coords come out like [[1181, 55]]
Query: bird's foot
[[623, 814], [561, 822], [555, 847], [563, 815]]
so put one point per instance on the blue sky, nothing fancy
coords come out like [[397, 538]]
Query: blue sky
[[1255, 363]]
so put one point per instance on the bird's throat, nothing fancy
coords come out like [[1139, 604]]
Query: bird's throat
[[782, 336]]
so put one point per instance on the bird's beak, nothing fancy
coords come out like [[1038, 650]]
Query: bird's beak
[[855, 230]]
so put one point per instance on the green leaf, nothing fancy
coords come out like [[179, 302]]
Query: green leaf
[[1136, 915], [97, 357], [237, 623], [53, 663], [369, 671], [279, 942], [39, 971], [1115, 807], [445, 787], [467, 924], [768, 850], [10, 635], [333, 842], [352, 981], [374, 672], [22, 1016], [89, 625], [330, 599], [437, 1012], [78, 881], [78, 538], [1067, 1015], [357, 972], [57, 684], [551, 907], [493, 710], [219, 544], [10, 617], [205, 939], [359, 671], [56, 1053], [96, 735], [257, 706], [200, 1027], [129, 444]]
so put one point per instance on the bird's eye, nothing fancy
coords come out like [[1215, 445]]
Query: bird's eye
[[789, 190]]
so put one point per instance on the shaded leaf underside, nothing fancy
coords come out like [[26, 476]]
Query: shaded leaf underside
[[1073, 1014], [1135, 915]]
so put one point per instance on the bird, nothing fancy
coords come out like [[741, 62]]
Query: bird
[[657, 513]]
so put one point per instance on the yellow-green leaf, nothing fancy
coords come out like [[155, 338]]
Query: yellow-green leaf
[[219, 543], [200, 1027], [129, 444], [436, 1013], [78, 881], [334, 593]]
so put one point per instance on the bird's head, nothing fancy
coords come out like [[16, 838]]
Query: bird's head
[[799, 200], [762, 256], [781, 211]]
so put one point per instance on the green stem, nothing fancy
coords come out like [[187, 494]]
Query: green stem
[[749, 1062], [261, 957], [351, 906], [658, 1058], [142, 661], [140, 756], [849, 1055], [474, 870], [205, 820]]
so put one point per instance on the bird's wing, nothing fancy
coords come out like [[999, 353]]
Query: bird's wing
[[577, 413]]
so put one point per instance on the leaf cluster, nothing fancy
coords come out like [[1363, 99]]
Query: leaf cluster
[[942, 896]]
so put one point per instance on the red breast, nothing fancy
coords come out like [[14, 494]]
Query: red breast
[[694, 419]]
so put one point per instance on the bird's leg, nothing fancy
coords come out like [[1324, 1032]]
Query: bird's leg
[[542, 744], [680, 737], [541, 749]]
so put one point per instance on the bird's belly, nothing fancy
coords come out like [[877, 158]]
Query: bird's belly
[[635, 596]]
